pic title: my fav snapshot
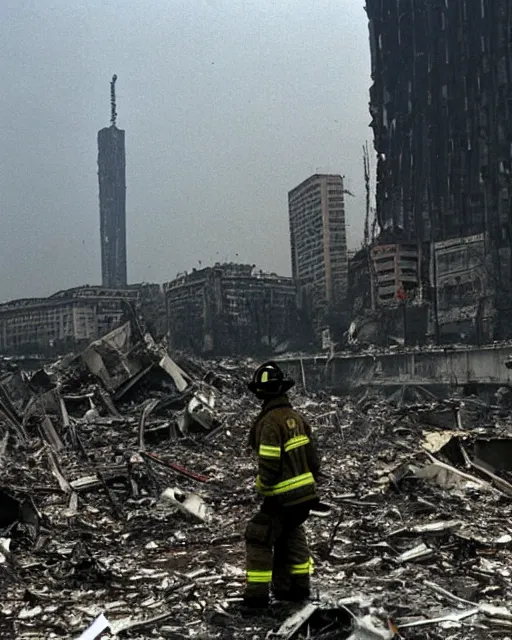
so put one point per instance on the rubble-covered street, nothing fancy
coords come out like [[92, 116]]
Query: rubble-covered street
[[126, 483]]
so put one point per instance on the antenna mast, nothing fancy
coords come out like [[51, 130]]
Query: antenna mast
[[366, 164], [113, 112]]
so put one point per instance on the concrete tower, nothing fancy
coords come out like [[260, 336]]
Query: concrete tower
[[318, 238], [112, 183]]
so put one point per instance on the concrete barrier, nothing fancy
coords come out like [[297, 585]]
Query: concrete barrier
[[456, 367]]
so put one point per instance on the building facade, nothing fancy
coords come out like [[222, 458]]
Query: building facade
[[441, 106], [360, 293], [396, 273], [462, 279], [112, 195], [230, 309], [66, 319], [318, 240]]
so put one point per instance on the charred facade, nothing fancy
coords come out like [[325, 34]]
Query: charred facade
[[62, 320], [230, 309], [73, 317], [441, 105]]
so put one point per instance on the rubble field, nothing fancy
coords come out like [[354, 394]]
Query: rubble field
[[126, 482]]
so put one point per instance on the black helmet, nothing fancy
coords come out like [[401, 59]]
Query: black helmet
[[269, 380]]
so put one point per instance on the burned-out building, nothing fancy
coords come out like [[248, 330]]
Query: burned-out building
[[230, 309], [464, 311], [441, 114], [319, 244], [359, 291], [385, 287], [396, 271], [112, 194], [68, 318]]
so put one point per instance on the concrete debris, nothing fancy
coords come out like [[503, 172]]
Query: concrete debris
[[454, 617], [368, 628], [295, 622], [419, 553], [5, 543], [130, 518], [448, 477], [191, 504], [200, 410], [96, 628], [323, 619]]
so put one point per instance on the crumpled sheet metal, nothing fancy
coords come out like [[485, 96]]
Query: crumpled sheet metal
[[153, 572]]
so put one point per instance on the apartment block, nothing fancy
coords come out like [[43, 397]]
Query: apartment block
[[230, 309], [66, 319], [318, 240], [396, 273]]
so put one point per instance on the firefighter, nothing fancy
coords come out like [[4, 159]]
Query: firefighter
[[288, 468]]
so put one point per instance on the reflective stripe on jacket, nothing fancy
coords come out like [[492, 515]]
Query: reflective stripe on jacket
[[287, 459]]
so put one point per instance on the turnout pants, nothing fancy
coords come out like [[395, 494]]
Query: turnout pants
[[277, 551]]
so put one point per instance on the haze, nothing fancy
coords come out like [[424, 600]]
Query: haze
[[226, 105]]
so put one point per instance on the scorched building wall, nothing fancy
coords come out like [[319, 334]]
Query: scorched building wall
[[441, 106], [64, 320], [230, 309]]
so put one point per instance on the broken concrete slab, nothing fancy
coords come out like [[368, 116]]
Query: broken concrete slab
[[180, 378], [50, 434], [292, 624], [449, 477], [369, 628], [419, 553], [92, 632], [322, 616], [199, 411], [191, 504], [107, 358]]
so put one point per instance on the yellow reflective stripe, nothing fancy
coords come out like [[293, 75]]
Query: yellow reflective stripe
[[302, 569], [297, 441], [268, 451], [259, 576], [264, 376], [300, 572], [287, 485]]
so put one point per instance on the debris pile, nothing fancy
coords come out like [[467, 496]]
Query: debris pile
[[126, 482]]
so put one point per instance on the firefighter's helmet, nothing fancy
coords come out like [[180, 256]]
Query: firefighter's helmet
[[269, 380]]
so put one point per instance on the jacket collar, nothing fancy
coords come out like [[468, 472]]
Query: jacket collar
[[275, 403]]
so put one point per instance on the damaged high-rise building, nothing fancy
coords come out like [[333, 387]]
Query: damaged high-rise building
[[318, 241], [441, 105], [112, 191]]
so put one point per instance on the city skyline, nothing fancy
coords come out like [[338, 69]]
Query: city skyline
[[220, 134]]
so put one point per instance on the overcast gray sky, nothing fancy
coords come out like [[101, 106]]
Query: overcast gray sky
[[227, 105]]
